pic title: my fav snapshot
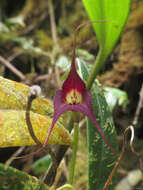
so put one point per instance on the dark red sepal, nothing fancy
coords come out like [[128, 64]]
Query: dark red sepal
[[72, 82], [85, 107]]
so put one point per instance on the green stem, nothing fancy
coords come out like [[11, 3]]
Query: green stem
[[66, 186], [74, 152], [70, 125], [99, 62]]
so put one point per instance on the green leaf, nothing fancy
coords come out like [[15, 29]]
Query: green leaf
[[42, 164], [100, 158], [115, 96], [13, 127], [11, 178], [116, 13]]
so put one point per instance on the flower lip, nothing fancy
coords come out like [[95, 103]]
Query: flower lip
[[73, 97]]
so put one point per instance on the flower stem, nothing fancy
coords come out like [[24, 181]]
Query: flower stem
[[99, 62], [74, 152]]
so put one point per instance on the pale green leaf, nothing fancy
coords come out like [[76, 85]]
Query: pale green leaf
[[115, 12], [115, 96]]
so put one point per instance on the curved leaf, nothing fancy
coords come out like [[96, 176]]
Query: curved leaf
[[116, 13], [14, 130], [13, 127], [11, 178], [13, 95]]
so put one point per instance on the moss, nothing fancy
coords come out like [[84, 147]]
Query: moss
[[45, 42]]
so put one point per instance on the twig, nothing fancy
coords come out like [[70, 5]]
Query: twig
[[12, 68], [54, 37], [108, 182], [60, 152], [9, 161], [60, 171], [58, 77], [13, 56], [139, 106], [52, 21], [42, 77], [31, 97], [59, 156], [34, 92], [74, 154], [132, 148]]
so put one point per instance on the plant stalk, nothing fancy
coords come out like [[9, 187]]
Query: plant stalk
[[99, 62], [74, 152]]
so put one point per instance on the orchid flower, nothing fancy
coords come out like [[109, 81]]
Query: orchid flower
[[74, 97]]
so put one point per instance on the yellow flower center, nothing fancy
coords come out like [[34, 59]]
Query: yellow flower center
[[73, 97]]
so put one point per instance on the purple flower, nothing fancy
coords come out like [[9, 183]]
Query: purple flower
[[74, 97]]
